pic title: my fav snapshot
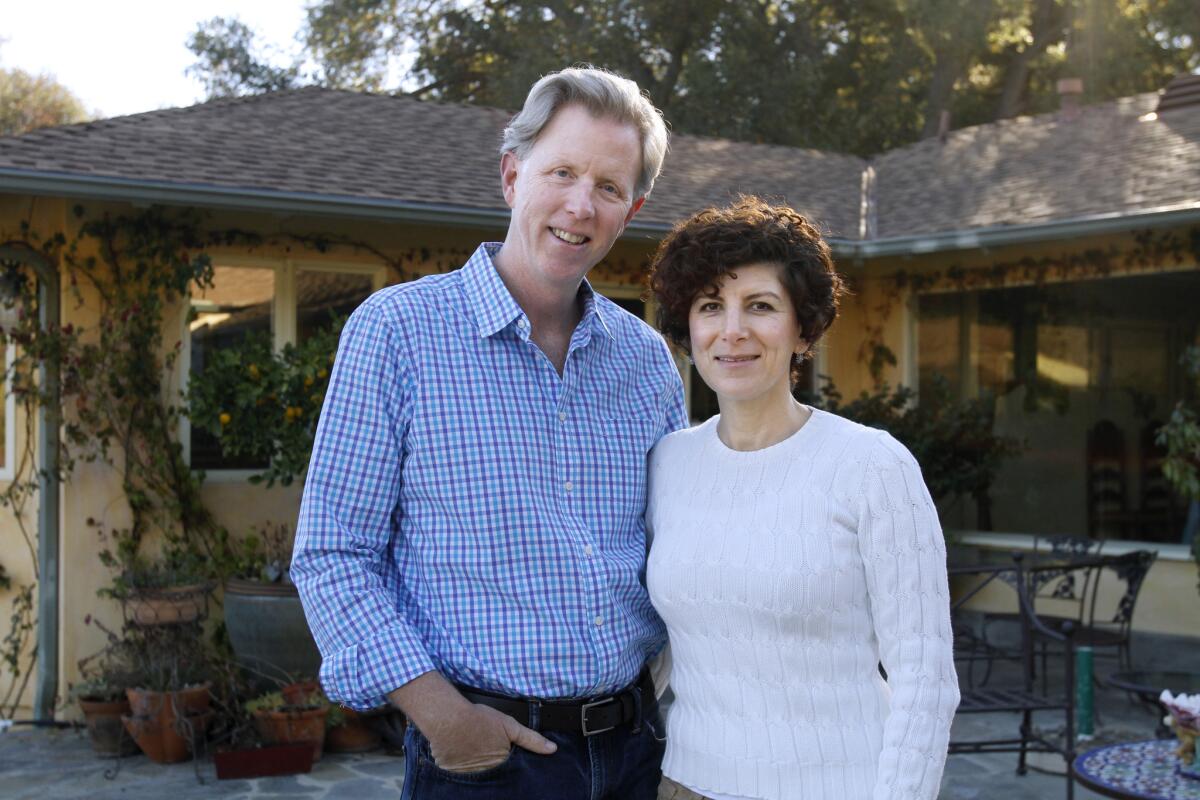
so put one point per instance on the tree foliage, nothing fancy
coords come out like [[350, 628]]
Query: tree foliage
[[28, 102], [850, 75]]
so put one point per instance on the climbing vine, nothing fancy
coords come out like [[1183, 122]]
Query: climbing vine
[[124, 272]]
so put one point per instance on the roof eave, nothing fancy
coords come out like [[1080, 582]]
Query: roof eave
[[450, 215], [1002, 235], [248, 199]]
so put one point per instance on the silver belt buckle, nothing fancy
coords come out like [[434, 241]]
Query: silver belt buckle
[[584, 716]]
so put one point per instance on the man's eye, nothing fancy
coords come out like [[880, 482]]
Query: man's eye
[[610, 188], [562, 173]]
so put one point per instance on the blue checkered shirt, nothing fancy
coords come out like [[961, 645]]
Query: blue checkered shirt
[[468, 510]]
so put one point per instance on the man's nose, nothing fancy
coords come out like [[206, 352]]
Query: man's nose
[[579, 200]]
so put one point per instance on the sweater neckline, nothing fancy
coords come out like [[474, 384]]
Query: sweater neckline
[[729, 452]]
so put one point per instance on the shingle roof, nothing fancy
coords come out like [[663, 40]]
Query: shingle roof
[[1111, 158], [337, 143]]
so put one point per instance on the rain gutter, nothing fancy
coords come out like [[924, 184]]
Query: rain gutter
[[49, 420], [456, 215]]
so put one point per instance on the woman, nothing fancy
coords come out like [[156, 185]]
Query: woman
[[793, 551]]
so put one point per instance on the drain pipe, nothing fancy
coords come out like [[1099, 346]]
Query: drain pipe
[[49, 420]]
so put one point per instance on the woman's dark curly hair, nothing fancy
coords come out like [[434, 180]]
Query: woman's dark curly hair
[[700, 251]]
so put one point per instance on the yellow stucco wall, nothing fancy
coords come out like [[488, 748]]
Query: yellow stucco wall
[[93, 492], [1168, 603]]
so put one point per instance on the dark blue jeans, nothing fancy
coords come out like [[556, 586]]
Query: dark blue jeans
[[616, 765]]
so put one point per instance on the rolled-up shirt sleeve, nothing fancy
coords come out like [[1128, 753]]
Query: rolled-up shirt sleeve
[[347, 518]]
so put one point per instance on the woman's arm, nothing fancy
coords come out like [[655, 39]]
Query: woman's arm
[[904, 556]]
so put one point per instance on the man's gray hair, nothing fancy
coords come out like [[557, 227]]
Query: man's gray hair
[[607, 96]]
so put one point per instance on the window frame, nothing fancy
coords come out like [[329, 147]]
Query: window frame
[[284, 315]]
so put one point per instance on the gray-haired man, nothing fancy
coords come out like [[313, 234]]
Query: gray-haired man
[[471, 545]]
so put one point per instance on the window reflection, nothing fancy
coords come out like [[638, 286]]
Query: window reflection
[[1084, 373], [239, 303], [322, 297]]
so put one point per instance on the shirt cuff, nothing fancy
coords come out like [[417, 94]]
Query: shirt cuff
[[360, 677]]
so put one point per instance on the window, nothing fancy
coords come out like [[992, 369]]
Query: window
[[240, 303], [1084, 374], [282, 300]]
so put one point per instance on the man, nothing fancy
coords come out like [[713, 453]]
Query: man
[[471, 546]]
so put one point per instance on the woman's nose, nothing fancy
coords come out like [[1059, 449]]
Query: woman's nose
[[734, 327]]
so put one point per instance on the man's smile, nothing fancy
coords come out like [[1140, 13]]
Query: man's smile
[[569, 238]]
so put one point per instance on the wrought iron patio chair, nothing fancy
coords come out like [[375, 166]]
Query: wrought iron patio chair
[[1061, 574], [1110, 625], [1023, 696]]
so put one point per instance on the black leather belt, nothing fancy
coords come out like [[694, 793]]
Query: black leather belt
[[588, 717]]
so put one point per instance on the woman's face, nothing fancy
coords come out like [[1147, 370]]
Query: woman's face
[[744, 336]]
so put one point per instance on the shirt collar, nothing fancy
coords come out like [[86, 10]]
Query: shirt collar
[[487, 296], [495, 308]]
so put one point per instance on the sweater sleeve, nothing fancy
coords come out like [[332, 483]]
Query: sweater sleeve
[[904, 556]]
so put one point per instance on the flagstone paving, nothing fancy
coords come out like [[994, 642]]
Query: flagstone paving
[[57, 764]]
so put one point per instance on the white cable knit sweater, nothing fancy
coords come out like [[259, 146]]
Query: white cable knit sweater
[[784, 576]]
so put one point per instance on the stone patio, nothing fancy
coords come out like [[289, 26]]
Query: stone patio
[[40, 763]]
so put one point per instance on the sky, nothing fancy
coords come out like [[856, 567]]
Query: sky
[[126, 56]]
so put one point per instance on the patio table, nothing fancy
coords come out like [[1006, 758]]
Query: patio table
[[1148, 685], [1147, 770]]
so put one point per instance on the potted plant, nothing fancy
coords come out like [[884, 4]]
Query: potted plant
[[279, 721], [267, 629], [346, 731], [101, 697], [169, 589], [1181, 437], [170, 693]]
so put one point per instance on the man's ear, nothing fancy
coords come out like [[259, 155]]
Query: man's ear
[[509, 164], [633, 209]]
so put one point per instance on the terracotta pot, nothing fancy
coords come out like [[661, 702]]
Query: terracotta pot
[[167, 724], [292, 726], [168, 606], [108, 735], [168, 743], [298, 694], [164, 705], [355, 735]]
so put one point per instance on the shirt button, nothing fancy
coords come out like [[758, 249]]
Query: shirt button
[[587, 549], [562, 416], [568, 486], [599, 620]]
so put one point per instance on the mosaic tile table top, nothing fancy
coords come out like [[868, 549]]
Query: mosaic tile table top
[[1146, 770]]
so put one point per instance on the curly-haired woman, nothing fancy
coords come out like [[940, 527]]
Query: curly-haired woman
[[793, 551]]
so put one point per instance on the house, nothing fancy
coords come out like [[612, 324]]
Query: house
[[1051, 261]]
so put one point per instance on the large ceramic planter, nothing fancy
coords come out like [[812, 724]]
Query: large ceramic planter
[[108, 734], [267, 629], [167, 606], [168, 725], [293, 726]]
